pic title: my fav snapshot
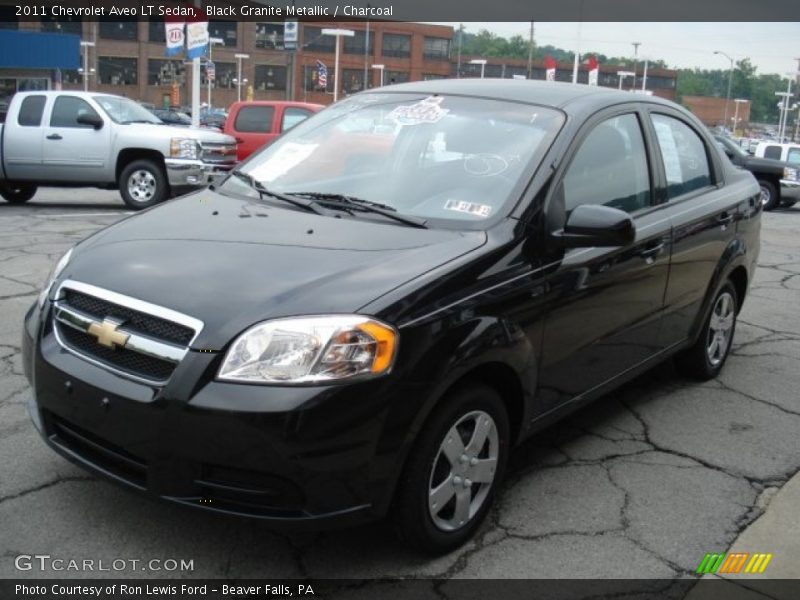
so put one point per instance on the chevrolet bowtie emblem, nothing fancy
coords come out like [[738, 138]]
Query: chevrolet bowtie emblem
[[107, 334]]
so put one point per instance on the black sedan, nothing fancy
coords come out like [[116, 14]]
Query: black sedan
[[367, 316]]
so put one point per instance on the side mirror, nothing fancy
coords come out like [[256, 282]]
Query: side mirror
[[93, 121], [596, 225]]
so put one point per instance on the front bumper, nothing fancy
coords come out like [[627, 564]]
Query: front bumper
[[790, 189], [193, 173], [302, 457]]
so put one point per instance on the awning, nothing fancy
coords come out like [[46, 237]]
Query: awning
[[35, 50]]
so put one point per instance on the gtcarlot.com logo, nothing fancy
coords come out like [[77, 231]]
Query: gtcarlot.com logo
[[734, 563], [46, 562]]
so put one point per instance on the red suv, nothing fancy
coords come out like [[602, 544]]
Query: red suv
[[257, 123]]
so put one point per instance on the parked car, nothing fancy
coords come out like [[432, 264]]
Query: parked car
[[172, 117], [779, 180], [53, 138], [214, 119], [257, 123], [311, 346], [787, 152]]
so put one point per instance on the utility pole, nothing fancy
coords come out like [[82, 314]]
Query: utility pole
[[460, 43], [635, 61], [530, 54]]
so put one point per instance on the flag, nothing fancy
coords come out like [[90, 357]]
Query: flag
[[197, 37], [594, 68], [322, 75], [549, 68], [173, 34]]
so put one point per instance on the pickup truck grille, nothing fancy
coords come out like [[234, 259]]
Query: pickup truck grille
[[219, 153], [149, 341]]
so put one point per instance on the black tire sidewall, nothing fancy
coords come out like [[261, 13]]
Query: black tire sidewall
[[774, 198], [17, 194], [162, 187], [413, 520]]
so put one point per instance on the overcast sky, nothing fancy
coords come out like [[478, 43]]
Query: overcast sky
[[772, 47]]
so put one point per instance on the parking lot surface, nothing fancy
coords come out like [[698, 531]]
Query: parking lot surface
[[639, 485]]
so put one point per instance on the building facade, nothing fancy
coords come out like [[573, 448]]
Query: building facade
[[711, 111]]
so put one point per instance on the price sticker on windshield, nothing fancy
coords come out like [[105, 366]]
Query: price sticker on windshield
[[428, 110], [471, 208]]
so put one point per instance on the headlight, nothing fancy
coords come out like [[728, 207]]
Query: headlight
[[184, 148], [792, 174], [310, 350], [54, 274]]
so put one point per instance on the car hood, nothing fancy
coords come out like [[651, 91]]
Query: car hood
[[232, 262]]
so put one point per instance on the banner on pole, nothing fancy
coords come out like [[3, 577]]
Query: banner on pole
[[549, 68], [173, 34], [594, 68], [290, 34], [197, 39], [211, 71]]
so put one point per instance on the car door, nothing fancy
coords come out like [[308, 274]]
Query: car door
[[702, 213], [605, 303], [73, 151], [254, 127], [22, 141], [292, 115]]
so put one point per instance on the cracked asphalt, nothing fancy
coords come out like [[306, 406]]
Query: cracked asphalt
[[639, 485]]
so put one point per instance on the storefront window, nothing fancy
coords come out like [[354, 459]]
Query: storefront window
[[269, 77], [165, 72], [396, 45], [115, 70], [269, 36], [224, 75], [119, 30], [225, 30]]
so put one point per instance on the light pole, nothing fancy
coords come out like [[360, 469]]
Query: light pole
[[730, 80], [337, 33], [211, 42], [239, 58], [481, 62], [380, 68], [635, 61], [622, 75], [737, 101], [86, 46]]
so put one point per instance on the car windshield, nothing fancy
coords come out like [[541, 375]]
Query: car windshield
[[457, 159], [123, 110]]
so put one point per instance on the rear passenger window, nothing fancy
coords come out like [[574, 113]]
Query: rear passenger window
[[772, 152], [610, 168], [254, 119], [684, 155], [31, 110], [292, 116]]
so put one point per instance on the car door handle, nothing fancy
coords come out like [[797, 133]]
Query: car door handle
[[54, 136], [650, 252], [725, 219]]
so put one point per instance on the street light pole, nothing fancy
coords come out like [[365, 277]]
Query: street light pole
[[86, 46], [337, 33], [737, 101], [481, 62], [239, 58], [211, 43], [622, 75], [635, 61], [730, 80], [380, 68]]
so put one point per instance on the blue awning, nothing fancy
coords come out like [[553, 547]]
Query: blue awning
[[34, 50]]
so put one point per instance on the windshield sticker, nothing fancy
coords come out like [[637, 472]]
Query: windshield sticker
[[290, 155], [428, 110], [471, 208]]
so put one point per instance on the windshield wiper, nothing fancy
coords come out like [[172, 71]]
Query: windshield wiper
[[351, 203], [308, 205]]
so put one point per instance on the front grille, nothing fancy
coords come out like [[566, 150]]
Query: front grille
[[133, 363], [140, 322], [218, 153]]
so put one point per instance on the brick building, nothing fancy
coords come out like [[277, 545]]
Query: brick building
[[711, 110]]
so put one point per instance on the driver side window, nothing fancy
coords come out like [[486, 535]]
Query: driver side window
[[610, 167], [66, 111]]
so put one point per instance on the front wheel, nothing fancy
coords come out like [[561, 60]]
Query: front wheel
[[704, 360], [453, 471], [17, 193], [142, 184], [769, 194]]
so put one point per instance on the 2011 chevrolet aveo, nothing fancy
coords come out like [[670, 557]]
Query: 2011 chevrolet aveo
[[366, 316]]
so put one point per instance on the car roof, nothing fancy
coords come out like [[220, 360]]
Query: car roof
[[561, 95]]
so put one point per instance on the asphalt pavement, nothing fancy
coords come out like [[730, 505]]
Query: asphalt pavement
[[639, 485]]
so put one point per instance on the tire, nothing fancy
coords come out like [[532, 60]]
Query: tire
[[440, 529], [704, 360], [17, 193], [142, 184], [769, 194]]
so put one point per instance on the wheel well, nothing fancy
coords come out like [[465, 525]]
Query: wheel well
[[505, 381], [128, 155], [738, 278]]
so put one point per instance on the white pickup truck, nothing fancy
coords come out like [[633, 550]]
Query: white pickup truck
[[70, 138]]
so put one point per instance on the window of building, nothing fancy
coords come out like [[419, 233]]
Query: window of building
[[684, 155], [610, 167], [116, 70], [254, 119], [432, 76], [71, 76], [72, 25], [67, 109], [355, 44], [396, 45], [31, 110], [270, 77], [293, 115], [225, 30], [120, 30], [315, 41], [352, 80], [224, 75], [437, 48], [156, 31], [396, 77], [165, 72], [269, 36]]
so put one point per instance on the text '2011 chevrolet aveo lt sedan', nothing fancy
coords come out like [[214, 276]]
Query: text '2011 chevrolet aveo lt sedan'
[[366, 316]]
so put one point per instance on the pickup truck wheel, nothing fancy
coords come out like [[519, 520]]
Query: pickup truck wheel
[[17, 193], [143, 183], [769, 194], [705, 359]]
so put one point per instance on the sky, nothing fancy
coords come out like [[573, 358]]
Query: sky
[[771, 47]]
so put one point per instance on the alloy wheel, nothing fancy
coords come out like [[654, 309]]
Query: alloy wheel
[[142, 185], [720, 328]]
